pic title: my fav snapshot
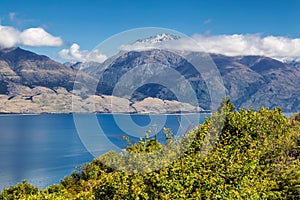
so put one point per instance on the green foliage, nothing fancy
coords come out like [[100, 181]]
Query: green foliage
[[243, 154], [18, 191]]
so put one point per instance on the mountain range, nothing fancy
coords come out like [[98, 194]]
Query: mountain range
[[36, 84]]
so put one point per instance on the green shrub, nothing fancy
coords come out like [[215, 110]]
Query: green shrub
[[19, 191], [249, 155]]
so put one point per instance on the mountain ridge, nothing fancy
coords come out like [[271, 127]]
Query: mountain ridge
[[250, 81]]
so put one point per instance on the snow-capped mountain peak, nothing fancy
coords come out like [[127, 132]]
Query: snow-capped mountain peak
[[158, 39]]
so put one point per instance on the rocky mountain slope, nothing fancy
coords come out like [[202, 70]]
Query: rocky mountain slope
[[31, 83], [18, 66], [250, 81], [254, 81], [35, 83]]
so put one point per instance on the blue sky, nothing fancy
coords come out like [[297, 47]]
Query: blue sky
[[89, 22]]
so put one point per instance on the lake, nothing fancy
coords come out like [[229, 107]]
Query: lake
[[43, 149]]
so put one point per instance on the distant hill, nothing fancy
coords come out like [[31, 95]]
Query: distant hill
[[32, 83], [18, 66], [250, 81]]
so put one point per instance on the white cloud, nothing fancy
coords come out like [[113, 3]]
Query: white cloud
[[281, 48], [140, 46], [74, 54], [10, 37], [39, 37]]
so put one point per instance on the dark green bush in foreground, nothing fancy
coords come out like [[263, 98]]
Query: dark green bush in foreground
[[255, 157]]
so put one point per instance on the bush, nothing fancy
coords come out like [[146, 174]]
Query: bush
[[256, 156], [18, 191]]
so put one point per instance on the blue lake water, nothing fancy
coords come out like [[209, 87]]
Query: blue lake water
[[43, 149]]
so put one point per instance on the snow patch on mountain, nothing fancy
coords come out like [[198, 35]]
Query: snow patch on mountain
[[153, 42], [158, 39]]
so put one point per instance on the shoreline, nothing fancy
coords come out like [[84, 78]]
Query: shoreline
[[125, 113]]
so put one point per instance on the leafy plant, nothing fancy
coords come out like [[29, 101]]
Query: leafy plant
[[243, 154]]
